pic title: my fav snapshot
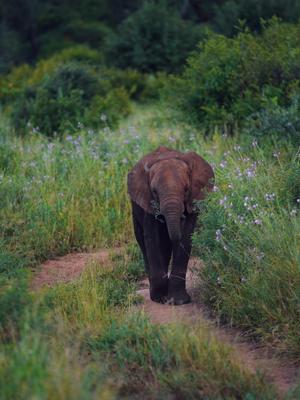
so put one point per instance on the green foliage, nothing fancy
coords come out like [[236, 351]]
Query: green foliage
[[108, 109], [132, 81], [249, 243], [7, 158], [57, 103], [276, 121], [78, 335], [165, 361], [228, 13], [71, 34], [14, 298], [73, 87], [23, 77], [70, 193], [154, 38], [71, 94], [10, 48], [228, 79], [52, 26], [67, 194], [10, 264]]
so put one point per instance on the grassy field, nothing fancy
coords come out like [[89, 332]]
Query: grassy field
[[84, 339]]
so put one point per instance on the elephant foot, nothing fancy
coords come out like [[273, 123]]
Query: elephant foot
[[159, 291], [177, 294], [158, 299], [179, 299]]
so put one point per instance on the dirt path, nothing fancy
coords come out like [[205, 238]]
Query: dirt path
[[281, 373], [66, 268]]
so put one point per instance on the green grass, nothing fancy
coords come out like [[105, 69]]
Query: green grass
[[69, 194], [83, 340], [249, 242]]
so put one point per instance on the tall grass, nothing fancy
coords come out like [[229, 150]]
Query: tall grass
[[70, 194], [249, 239], [85, 340]]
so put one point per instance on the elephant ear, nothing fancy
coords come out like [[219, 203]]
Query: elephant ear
[[138, 179], [202, 178]]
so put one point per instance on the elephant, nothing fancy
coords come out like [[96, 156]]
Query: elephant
[[164, 188]]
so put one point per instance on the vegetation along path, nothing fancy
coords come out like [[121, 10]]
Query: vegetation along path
[[281, 373]]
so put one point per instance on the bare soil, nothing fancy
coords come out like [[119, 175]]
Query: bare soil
[[280, 372], [66, 268]]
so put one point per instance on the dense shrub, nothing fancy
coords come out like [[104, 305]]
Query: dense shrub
[[70, 87], [228, 13], [72, 93], [19, 78], [249, 243], [11, 85], [72, 34], [152, 39], [71, 77], [57, 102], [139, 86], [108, 109], [228, 79], [277, 121]]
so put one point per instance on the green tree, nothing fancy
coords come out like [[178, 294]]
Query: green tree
[[228, 13], [153, 38]]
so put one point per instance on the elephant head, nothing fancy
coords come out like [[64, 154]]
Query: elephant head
[[170, 181]]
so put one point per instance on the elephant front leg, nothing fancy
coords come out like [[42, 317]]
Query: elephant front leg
[[177, 293], [158, 273]]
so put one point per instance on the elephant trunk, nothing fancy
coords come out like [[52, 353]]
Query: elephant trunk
[[172, 211]]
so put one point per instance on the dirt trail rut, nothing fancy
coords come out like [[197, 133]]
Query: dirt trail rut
[[281, 373]]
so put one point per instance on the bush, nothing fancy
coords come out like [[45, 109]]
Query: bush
[[276, 121], [228, 79], [134, 82], [74, 33], [58, 102], [108, 110], [72, 93], [77, 54], [249, 243], [154, 38], [11, 85], [24, 76], [229, 12]]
